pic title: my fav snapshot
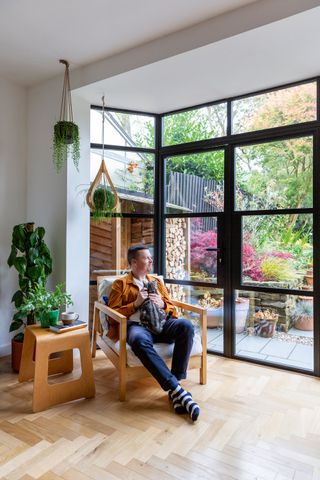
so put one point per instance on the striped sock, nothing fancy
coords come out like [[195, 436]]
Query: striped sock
[[180, 395], [177, 405]]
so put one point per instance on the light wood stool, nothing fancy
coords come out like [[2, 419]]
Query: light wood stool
[[38, 344]]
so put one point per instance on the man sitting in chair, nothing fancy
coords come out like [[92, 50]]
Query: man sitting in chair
[[126, 297]]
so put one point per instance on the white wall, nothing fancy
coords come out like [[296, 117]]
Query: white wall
[[52, 199], [78, 216], [12, 193]]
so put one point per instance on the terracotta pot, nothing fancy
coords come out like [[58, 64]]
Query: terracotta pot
[[304, 322], [16, 352]]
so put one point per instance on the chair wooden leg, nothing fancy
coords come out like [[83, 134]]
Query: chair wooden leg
[[203, 369], [122, 385], [94, 332]]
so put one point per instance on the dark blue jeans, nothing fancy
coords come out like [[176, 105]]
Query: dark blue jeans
[[177, 331]]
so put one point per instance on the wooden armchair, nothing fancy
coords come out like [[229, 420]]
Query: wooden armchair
[[120, 353]]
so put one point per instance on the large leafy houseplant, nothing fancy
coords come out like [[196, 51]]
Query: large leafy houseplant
[[31, 258], [44, 304]]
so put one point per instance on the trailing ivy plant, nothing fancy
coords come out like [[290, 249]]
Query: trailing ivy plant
[[31, 258], [66, 141]]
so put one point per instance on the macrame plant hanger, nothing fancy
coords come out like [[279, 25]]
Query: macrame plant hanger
[[66, 113], [102, 179]]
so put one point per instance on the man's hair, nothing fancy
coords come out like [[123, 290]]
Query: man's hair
[[132, 252]]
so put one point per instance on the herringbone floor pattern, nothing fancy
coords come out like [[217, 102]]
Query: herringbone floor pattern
[[256, 423]]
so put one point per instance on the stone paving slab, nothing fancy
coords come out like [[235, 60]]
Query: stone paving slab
[[267, 349], [302, 353], [252, 344], [290, 363], [276, 348], [254, 355]]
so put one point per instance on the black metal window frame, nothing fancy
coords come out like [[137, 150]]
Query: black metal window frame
[[231, 226]]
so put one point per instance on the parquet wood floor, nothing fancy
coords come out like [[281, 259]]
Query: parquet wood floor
[[255, 423]]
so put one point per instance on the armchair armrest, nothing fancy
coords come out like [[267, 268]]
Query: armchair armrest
[[118, 317], [188, 306], [110, 312], [196, 309]]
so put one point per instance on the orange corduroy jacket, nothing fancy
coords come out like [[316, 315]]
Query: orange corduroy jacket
[[123, 295]]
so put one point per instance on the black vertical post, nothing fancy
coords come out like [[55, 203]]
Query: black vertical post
[[228, 207], [158, 200], [316, 250]]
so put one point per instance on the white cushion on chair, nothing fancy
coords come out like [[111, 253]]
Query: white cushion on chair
[[165, 350]]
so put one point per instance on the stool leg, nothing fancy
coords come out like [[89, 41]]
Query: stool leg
[[41, 393], [26, 371], [87, 368]]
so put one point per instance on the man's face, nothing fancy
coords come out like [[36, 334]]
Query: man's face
[[143, 262]]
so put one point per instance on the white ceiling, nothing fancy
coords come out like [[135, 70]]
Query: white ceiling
[[34, 34], [275, 54]]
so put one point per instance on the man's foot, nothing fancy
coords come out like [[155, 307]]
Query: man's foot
[[177, 405], [181, 398]]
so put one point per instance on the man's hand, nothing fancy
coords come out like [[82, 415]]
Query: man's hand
[[142, 295], [155, 298]]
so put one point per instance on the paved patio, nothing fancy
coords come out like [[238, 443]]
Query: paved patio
[[273, 350]]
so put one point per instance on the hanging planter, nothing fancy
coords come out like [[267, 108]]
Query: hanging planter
[[66, 133], [102, 197]]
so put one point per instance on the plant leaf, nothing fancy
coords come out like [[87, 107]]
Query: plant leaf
[[19, 237], [15, 325], [21, 264], [33, 255], [12, 256], [17, 298]]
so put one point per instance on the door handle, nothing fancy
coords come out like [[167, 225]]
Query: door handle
[[219, 250]]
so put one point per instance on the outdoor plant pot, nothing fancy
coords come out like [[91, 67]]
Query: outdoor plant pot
[[16, 352], [304, 322], [49, 318], [265, 323], [215, 315], [266, 327]]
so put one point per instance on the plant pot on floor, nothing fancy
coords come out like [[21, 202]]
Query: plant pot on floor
[[304, 322], [16, 352], [215, 315]]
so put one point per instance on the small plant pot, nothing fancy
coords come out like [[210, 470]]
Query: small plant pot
[[266, 327], [66, 132], [49, 318], [309, 280], [16, 352], [304, 322]]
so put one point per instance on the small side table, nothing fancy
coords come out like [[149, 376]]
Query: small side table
[[38, 344]]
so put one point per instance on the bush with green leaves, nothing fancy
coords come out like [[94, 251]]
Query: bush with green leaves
[[277, 269], [40, 301], [32, 259]]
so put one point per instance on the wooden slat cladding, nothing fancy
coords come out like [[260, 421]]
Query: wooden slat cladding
[[100, 246], [142, 231], [109, 242]]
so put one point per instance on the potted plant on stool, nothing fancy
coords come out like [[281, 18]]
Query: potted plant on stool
[[46, 305]]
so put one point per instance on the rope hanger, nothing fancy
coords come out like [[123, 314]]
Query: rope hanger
[[66, 113], [102, 176]]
